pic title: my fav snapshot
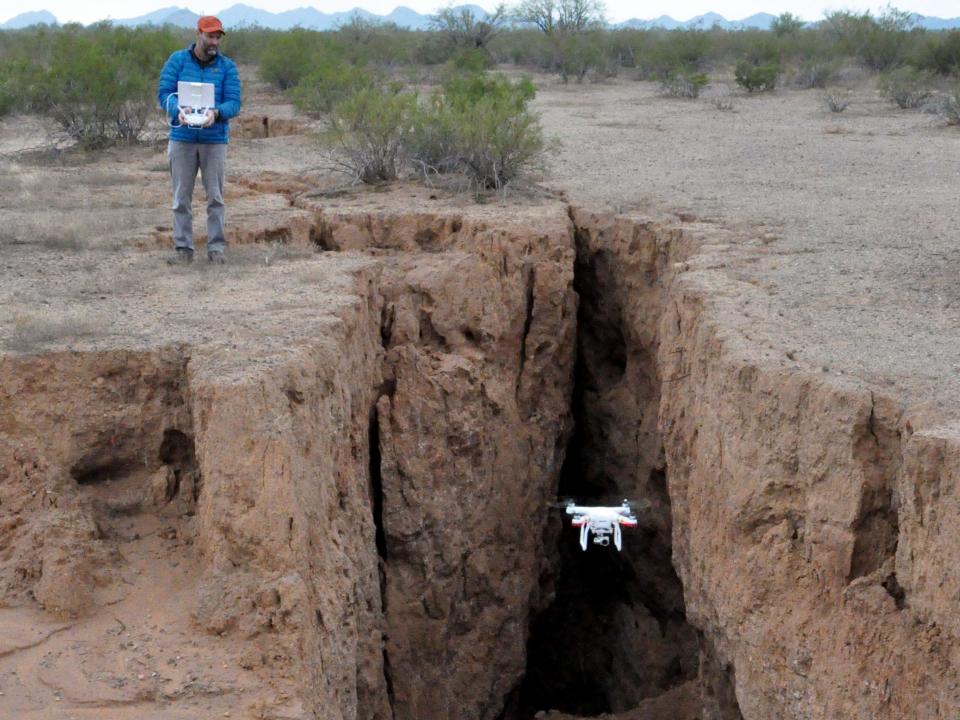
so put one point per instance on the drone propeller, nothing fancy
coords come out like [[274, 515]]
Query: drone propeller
[[606, 501]]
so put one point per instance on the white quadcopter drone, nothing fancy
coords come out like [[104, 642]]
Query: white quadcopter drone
[[602, 522]]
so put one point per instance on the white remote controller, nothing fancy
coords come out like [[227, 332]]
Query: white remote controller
[[198, 98]]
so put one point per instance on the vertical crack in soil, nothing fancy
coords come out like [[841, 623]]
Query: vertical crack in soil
[[616, 632], [380, 537], [376, 482], [876, 529], [527, 322]]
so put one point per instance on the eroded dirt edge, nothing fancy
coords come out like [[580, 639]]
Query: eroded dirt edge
[[339, 530]]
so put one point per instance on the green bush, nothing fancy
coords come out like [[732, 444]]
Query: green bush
[[98, 83], [247, 44], [575, 55], [434, 147], [373, 43], [786, 24], [815, 74], [756, 78], [495, 135], [290, 56], [663, 54], [475, 122], [685, 84], [8, 96], [941, 53], [471, 61], [371, 130], [331, 81], [879, 43]]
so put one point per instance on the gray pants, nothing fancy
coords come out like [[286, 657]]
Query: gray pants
[[185, 159]]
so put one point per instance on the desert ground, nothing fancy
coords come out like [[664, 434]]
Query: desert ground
[[824, 244], [838, 229]]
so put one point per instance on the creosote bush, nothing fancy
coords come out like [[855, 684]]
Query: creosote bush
[[331, 81], [371, 128], [478, 123], [496, 135], [98, 83], [290, 56], [760, 67], [756, 78]]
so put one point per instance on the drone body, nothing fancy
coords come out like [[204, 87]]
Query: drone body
[[602, 522]]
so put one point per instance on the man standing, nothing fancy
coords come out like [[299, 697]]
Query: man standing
[[202, 147]]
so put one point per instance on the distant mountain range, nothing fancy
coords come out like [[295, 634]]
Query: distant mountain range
[[240, 15]]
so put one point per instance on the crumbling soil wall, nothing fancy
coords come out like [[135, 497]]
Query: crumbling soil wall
[[285, 525], [798, 501], [478, 328], [70, 423], [360, 509], [364, 526]]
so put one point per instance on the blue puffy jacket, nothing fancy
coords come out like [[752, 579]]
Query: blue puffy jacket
[[222, 72]]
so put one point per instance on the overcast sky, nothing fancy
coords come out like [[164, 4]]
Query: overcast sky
[[617, 10]]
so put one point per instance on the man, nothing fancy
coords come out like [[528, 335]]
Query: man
[[201, 148]]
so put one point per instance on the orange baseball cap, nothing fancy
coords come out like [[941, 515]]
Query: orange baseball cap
[[210, 24]]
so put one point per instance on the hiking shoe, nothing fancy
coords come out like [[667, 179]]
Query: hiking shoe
[[216, 257], [182, 256]]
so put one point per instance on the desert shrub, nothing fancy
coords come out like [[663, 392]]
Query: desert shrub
[[684, 84], [837, 99], [8, 90], [907, 88], [330, 81], [949, 108], [815, 74], [471, 61], [519, 47], [940, 54], [247, 44], [289, 57], [376, 43], [786, 24], [497, 135], [880, 43], [370, 130], [759, 68], [575, 55], [461, 29], [605, 66], [670, 52], [481, 124], [756, 78], [98, 83], [561, 17], [433, 145]]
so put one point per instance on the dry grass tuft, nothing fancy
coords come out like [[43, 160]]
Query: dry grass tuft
[[35, 329], [837, 99]]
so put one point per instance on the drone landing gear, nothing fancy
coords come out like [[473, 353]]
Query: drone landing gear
[[601, 536]]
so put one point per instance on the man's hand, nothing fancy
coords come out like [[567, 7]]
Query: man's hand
[[209, 118], [182, 115]]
